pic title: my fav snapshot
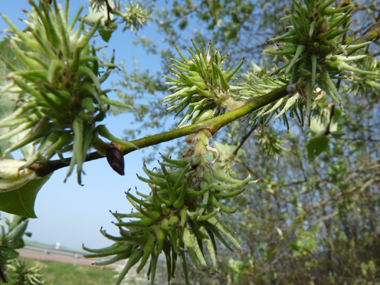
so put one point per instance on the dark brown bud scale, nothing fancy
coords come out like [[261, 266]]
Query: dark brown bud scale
[[115, 158]]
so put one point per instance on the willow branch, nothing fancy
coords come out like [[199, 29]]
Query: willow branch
[[213, 125]]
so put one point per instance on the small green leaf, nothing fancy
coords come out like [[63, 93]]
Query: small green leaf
[[10, 254], [21, 201], [318, 125], [371, 266], [279, 231], [316, 145], [106, 35], [227, 150], [235, 265], [237, 277], [334, 120], [107, 25], [183, 24], [294, 246], [337, 134]]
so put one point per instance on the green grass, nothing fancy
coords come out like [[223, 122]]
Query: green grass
[[56, 273]]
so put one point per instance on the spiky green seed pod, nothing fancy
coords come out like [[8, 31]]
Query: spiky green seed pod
[[59, 83], [201, 83], [174, 218], [311, 49]]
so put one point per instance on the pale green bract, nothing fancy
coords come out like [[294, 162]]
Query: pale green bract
[[11, 177]]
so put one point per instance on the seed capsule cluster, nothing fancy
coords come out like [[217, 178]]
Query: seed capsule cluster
[[60, 97], [22, 274], [11, 240], [313, 48], [200, 84], [179, 217], [370, 82]]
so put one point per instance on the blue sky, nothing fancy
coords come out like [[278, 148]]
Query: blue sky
[[71, 214]]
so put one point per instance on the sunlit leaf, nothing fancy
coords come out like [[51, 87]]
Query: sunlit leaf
[[237, 277], [21, 201], [294, 246], [316, 145]]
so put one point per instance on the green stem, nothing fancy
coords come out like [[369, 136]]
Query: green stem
[[213, 125]]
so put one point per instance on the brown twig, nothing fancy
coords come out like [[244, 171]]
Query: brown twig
[[298, 279], [242, 141], [2, 276]]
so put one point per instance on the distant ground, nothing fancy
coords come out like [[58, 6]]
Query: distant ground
[[34, 243], [53, 256], [56, 273]]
